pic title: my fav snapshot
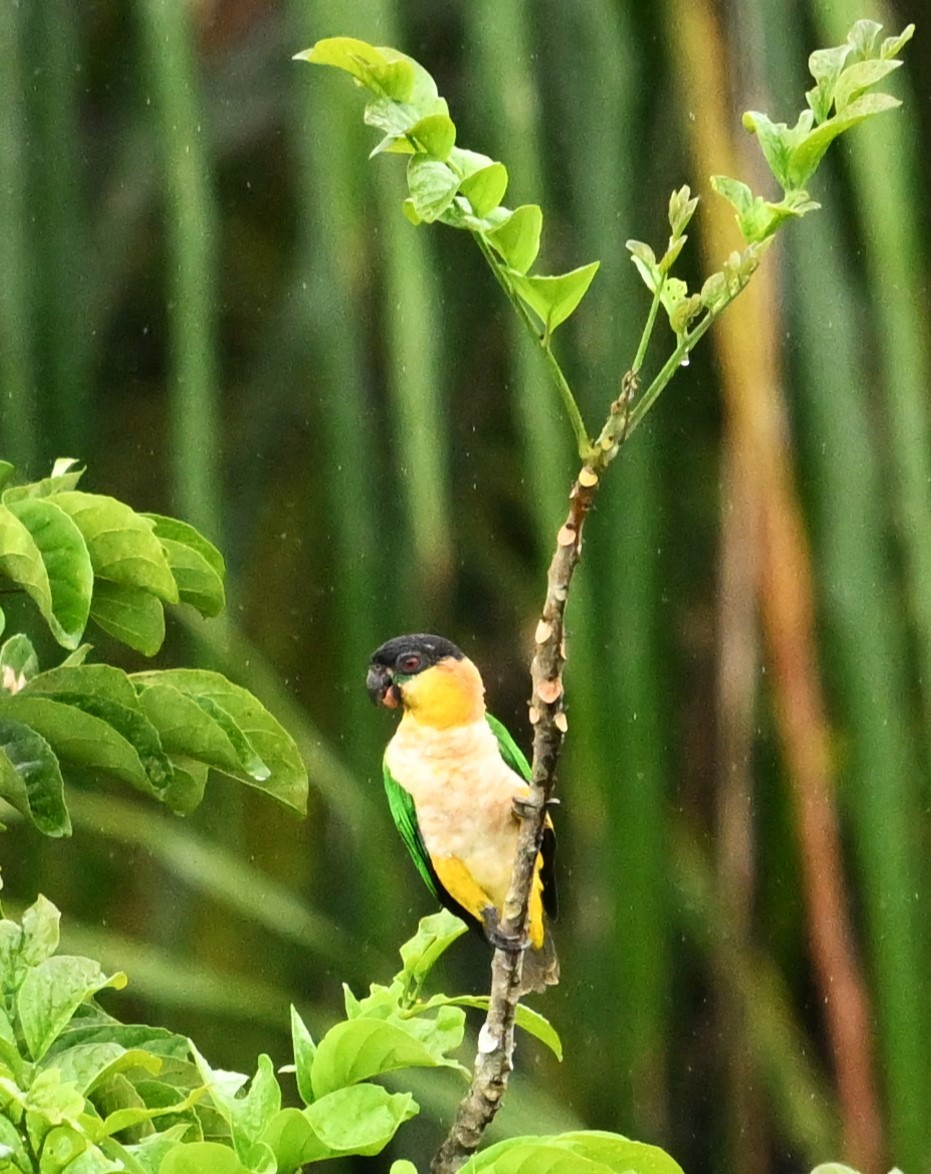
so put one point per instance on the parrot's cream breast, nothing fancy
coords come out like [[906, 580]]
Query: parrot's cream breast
[[463, 792]]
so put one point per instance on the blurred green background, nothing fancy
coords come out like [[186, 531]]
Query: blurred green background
[[210, 296]]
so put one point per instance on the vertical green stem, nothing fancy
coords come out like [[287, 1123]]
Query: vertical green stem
[[61, 230], [168, 41], [19, 421]]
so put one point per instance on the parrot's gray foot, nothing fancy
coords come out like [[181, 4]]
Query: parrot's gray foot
[[527, 809], [513, 943]]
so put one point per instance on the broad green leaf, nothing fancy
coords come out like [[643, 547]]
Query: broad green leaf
[[485, 188], [432, 186], [68, 575], [13, 1146], [131, 615], [395, 119], [202, 1157], [553, 299], [517, 239], [402, 1166], [293, 1141], [128, 721], [196, 564], [892, 46], [89, 1065], [272, 743], [63, 478], [435, 134], [644, 260], [253, 769], [77, 737], [304, 1052], [30, 777], [361, 1119], [100, 680], [40, 931], [583, 1152], [833, 1168], [187, 727], [122, 544], [51, 993], [385, 71], [247, 1114], [21, 561], [357, 1049], [18, 662], [825, 66]]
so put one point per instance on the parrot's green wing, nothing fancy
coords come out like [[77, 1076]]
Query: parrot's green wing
[[510, 751], [404, 814], [517, 761]]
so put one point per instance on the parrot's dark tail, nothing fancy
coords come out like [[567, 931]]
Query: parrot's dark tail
[[540, 967]]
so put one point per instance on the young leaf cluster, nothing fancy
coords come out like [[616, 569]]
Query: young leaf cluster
[[84, 556], [840, 99], [80, 555], [461, 188], [843, 76]]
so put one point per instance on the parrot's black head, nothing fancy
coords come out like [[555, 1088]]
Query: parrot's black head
[[400, 659]]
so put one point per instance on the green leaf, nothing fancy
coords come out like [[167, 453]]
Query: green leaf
[[196, 564], [644, 260], [273, 745], [432, 186], [63, 477], [582, 1152], [361, 1119], [553, 299], [90, 1065], [30, 778], [188, 726], [6, 473], [682, 207], [122, 544], [40, 931], [18, 662], [435, 134], [202, 1157], [51, 993], [485, 188], [105, 692], [777, 142], [807, 154], [354, 1050], [419, 954], [78, 737], [517, 239], [304, 1052], [131, 615], [833, 1168], [402, 1166], [385, 71], [63, 583], [858, 78]]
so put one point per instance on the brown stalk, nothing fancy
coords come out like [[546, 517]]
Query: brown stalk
[[494, 1061], [757, 431]]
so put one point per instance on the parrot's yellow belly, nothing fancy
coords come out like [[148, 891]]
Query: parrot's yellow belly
[[463, 792]]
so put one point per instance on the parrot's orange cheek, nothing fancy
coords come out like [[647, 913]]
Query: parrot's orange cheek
[[391, 698]]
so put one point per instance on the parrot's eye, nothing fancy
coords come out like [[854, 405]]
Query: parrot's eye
[[409, 664]]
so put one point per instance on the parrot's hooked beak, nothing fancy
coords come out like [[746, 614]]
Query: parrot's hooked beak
[[381, 687]]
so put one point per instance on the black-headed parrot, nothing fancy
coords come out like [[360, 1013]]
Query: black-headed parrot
[[452, 774]]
